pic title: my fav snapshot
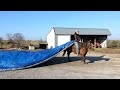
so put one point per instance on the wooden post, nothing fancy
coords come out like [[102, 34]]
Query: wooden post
[[95, 41], [106, 43], [82, 40]]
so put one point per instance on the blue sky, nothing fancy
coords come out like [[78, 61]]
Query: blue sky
[[35, 25]]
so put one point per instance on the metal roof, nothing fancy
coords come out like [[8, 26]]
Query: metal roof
[[82, 31]]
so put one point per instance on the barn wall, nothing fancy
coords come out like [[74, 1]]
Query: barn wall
[[51, 39], [62, 39], [104, 44]]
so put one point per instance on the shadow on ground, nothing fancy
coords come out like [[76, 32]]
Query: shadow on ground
[[60, 60]]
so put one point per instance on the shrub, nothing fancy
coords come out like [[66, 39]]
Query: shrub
[[113, 44]]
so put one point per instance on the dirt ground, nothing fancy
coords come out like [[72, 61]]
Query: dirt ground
[[100, 66]]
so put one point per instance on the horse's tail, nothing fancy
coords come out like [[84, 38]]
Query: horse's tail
[[64, 52]]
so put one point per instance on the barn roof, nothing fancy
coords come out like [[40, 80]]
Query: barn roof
[[82, 31]]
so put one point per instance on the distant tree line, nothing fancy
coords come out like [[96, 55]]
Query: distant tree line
[[17, 40], [113, 43]]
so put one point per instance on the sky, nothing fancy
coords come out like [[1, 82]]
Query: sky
[[35, 25]]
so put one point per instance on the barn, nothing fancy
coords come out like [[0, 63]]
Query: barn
[[60, 35]]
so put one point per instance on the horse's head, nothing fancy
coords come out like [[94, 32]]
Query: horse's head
[[90, 46]]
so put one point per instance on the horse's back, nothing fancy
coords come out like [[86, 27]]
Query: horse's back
[[72, 48]]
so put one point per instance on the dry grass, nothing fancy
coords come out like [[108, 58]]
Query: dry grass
[[108, 50], [26, 42], [6, 45]]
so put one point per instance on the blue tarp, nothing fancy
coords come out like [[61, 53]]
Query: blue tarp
[[14, 59]]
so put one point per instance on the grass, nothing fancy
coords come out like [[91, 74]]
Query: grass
[[108, 50], [26, 42], [6, 45]]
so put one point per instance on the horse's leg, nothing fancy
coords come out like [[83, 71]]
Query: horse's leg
[[83, 59], [68, 56], [64, 52]]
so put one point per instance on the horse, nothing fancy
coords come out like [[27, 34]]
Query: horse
[[84, 48]]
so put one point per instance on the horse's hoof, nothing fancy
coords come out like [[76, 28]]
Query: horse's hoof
[[86, 63], [69, 61]]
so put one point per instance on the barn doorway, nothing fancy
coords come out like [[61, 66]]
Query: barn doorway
[[85, 38]]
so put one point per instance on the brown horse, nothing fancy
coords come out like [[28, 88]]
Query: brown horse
[[85, 47]]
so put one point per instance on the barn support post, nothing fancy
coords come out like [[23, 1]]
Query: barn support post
[[106, 43], [82, 40], [95, 41]]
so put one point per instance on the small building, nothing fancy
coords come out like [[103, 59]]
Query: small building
[[31, 47], [43, 45], [60, 35]]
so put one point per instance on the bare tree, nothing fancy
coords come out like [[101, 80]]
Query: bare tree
[[10, 38], [18, 39], [42, 40], [1, 41]]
